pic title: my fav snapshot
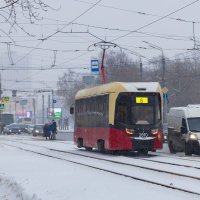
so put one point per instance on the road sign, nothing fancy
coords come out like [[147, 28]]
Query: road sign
[[2, 106], [95, 65], [23, 102], [165, 90], [6, 99]]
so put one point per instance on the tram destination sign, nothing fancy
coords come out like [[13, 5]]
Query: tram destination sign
[[142, 100]]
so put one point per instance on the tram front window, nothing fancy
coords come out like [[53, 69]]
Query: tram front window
[[138, 109], [142, 115]]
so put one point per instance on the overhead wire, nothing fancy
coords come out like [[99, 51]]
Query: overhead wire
[[87, 10], [157, 20], [136, 12], [159, 35], [44, 49]]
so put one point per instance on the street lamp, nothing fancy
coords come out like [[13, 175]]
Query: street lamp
[[164, 84]]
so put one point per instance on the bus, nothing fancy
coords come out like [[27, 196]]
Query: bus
[[119, 116]]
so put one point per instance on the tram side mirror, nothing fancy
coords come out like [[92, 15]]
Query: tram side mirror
[[71, 110], [183, 130]]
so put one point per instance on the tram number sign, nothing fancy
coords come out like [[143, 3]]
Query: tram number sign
[[142, 100]]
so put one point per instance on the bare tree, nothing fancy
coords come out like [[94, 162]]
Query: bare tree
[[11, 10], [182, 77], [119, 67]]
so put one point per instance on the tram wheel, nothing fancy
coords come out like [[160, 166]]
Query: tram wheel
[[88, 148], [80, 143], [100, 146]]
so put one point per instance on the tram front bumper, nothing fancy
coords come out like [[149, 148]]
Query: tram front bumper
[[143, 143]]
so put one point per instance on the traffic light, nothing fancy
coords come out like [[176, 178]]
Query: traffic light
[[14, 93]]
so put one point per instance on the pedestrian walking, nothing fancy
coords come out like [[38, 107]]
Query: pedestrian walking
[[50, 130], [54, 129], [46, 130]]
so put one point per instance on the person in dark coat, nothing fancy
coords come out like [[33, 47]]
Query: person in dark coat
[[46, 131], [50, 130], [54, 129]]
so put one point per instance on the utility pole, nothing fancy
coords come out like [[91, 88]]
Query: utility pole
[[15, 111], [43, 109], [164, 83], [52, 105], [141, 65], [141, 70], [34, 120], [48, 110]]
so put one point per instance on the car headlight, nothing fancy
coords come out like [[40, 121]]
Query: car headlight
[[37, 131], [193, 136]]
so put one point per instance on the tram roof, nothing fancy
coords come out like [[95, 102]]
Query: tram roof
[[116, 87]]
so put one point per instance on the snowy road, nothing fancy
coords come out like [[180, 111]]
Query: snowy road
[[69, 173]]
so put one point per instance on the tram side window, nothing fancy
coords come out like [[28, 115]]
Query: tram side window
[[121, 115]]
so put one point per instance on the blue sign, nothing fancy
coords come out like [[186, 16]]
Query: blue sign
[[94, 65], [23, 102], [2, 106], [166, 97]]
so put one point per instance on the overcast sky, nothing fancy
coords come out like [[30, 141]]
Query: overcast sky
[[69, 50]]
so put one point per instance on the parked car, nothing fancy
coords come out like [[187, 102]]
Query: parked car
[[23, 127], [184, 129], [38, 130], [30, 128], [12, 129], [6, 130]]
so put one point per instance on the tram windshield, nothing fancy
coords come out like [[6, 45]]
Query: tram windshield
[[138, 109]]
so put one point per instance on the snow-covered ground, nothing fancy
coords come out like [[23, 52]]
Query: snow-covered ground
[[29, 176]]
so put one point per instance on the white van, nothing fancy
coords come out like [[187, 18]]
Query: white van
[[184, 129]]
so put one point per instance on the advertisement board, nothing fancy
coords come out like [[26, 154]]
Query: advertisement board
[[57, 113]]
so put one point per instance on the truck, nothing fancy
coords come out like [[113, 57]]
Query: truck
[[184, 129], [6, 118]]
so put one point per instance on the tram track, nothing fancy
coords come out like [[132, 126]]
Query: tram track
[[163, 154], [108, 170], [117, 162]]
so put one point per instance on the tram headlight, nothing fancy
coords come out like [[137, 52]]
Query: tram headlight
[[193, 136], [130, 131]]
